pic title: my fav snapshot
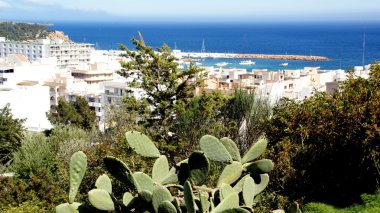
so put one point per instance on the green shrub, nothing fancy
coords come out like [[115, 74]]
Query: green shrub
[[11, 134], [35, 156], [371, 204], [326, 148], [41, 191], [25, 207]]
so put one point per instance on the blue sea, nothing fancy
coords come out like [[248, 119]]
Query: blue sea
[[341, 42]]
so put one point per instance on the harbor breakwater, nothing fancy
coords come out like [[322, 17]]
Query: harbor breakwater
[[253, 56], [282, 57]]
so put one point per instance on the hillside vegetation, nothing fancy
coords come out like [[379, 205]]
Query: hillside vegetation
[[23, 31]]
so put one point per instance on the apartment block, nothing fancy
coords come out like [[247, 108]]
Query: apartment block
[[67, 53]]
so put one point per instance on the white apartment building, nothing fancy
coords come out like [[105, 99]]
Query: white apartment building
[[67, 53], [94, 73], [22, 86]]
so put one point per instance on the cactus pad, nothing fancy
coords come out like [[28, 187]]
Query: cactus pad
[[166, 207], [142, 144], [104, 182], [214, 149], [264, 180], [236, 210], [160, 194], [189, 197], [127, 198], [160, 169], [230, 202], [225, 190], [142, 182], [171, 177], [199, 168], [231, 147], [101, 200], [78, 165], [118, 169], [231, 173], [260, 166], [146, 196], [239, 185], [248, 191], [65, 208], [255, 151]]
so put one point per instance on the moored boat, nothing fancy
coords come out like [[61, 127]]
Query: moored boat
[[248, 62]]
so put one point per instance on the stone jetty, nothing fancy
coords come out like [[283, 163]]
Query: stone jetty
[[281, 57], [251, 56]]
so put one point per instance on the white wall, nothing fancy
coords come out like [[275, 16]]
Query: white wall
[[30, 102]]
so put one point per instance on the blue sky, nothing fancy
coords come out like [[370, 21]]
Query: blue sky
[[190, 10]]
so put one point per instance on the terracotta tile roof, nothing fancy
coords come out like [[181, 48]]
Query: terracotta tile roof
[[21, 58]]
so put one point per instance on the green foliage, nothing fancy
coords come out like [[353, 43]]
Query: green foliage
[[35, 192], [149, 195], [326, 148], [371, 204], [11, 134], [23, 31], [77, 113], [25, 207], [35, 156], [246, 113], [165, 85], [203, 115]]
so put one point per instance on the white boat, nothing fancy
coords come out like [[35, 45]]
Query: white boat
[[198, 63], [221, 64], [284, 64], [248, 62]]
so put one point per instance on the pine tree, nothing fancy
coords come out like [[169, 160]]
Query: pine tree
[[166, 86]]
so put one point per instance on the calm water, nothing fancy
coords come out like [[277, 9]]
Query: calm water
[[343, 43]]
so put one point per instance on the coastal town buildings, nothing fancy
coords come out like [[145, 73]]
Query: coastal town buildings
[[295, 84], [33, 87], [67, 53]]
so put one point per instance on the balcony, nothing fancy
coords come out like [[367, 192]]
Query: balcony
[[95, 104]]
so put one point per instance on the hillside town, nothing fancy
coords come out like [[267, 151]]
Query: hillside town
[[34, 75]]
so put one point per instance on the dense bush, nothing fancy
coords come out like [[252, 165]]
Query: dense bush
[[77, 113], [41, 192], [327, 147], [35, 156], [11, 134], [371, 204]]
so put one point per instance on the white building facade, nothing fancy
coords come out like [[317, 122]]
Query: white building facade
[[67, 53]]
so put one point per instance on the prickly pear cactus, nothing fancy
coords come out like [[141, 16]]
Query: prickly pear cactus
[[142, 144], [199, 168], [255, 151], [180, 188], [78, 166], [104, 182], [231, 173], [101, 200], [214, 149]]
